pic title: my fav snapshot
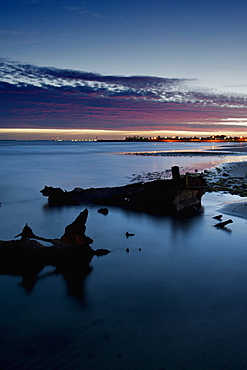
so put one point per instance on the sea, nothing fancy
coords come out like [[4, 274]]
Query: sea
[[171, 296]]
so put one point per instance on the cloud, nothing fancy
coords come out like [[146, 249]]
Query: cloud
[[23, 35], [34, 96], [82, 11], [76, 9]]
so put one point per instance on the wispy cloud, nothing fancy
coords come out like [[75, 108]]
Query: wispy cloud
[[23, 35], [49, 97], [83, 11], [76, 9]]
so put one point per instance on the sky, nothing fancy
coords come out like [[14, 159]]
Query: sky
[[111, 68]]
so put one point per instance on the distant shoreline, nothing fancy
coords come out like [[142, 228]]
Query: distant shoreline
[[233, 141]]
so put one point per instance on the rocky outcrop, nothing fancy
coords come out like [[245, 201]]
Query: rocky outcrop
[[180, 195]]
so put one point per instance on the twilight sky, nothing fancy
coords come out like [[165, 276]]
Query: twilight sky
[[151, 65]]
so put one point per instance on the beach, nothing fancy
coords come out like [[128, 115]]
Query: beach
[[170, 296], [231, 178], [228, 177]]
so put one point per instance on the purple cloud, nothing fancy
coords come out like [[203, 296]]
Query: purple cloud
[[39, 97]]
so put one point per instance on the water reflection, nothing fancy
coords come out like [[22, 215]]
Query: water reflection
[[73, 267], [176, 223]]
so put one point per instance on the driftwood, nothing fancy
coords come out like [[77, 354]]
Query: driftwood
[[70, 255], [180, 195], [218, 217], [221, 225]]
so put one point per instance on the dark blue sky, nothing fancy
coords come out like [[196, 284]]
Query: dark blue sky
[[203, 42], [180, 38]]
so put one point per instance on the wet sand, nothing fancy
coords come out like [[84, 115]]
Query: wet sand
[[238, 209], [231, 178]]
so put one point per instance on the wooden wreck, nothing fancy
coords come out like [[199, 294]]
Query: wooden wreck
[[70, 254], [180, 195]]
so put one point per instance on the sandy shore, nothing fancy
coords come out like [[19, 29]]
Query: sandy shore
[[231, 178], [238, 209], [228, 177]]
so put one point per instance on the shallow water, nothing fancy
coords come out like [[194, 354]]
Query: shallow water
[[178, 303]]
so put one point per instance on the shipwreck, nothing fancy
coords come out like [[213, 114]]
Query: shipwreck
[[180, 195]]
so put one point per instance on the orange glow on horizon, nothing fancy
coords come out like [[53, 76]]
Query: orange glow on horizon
[[85, 134]]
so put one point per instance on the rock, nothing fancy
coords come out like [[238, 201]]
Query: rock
[[101, 252], [128, 234], [104, 211], [78, 190], [218, 217]]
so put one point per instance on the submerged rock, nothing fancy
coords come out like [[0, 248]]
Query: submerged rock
[[104, 211]]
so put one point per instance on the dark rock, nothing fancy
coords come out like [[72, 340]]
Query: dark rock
[[218, 217], [128, 234], [104, 211], [101, 252]]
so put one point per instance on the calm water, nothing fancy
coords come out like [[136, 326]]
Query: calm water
[[178, 303]]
